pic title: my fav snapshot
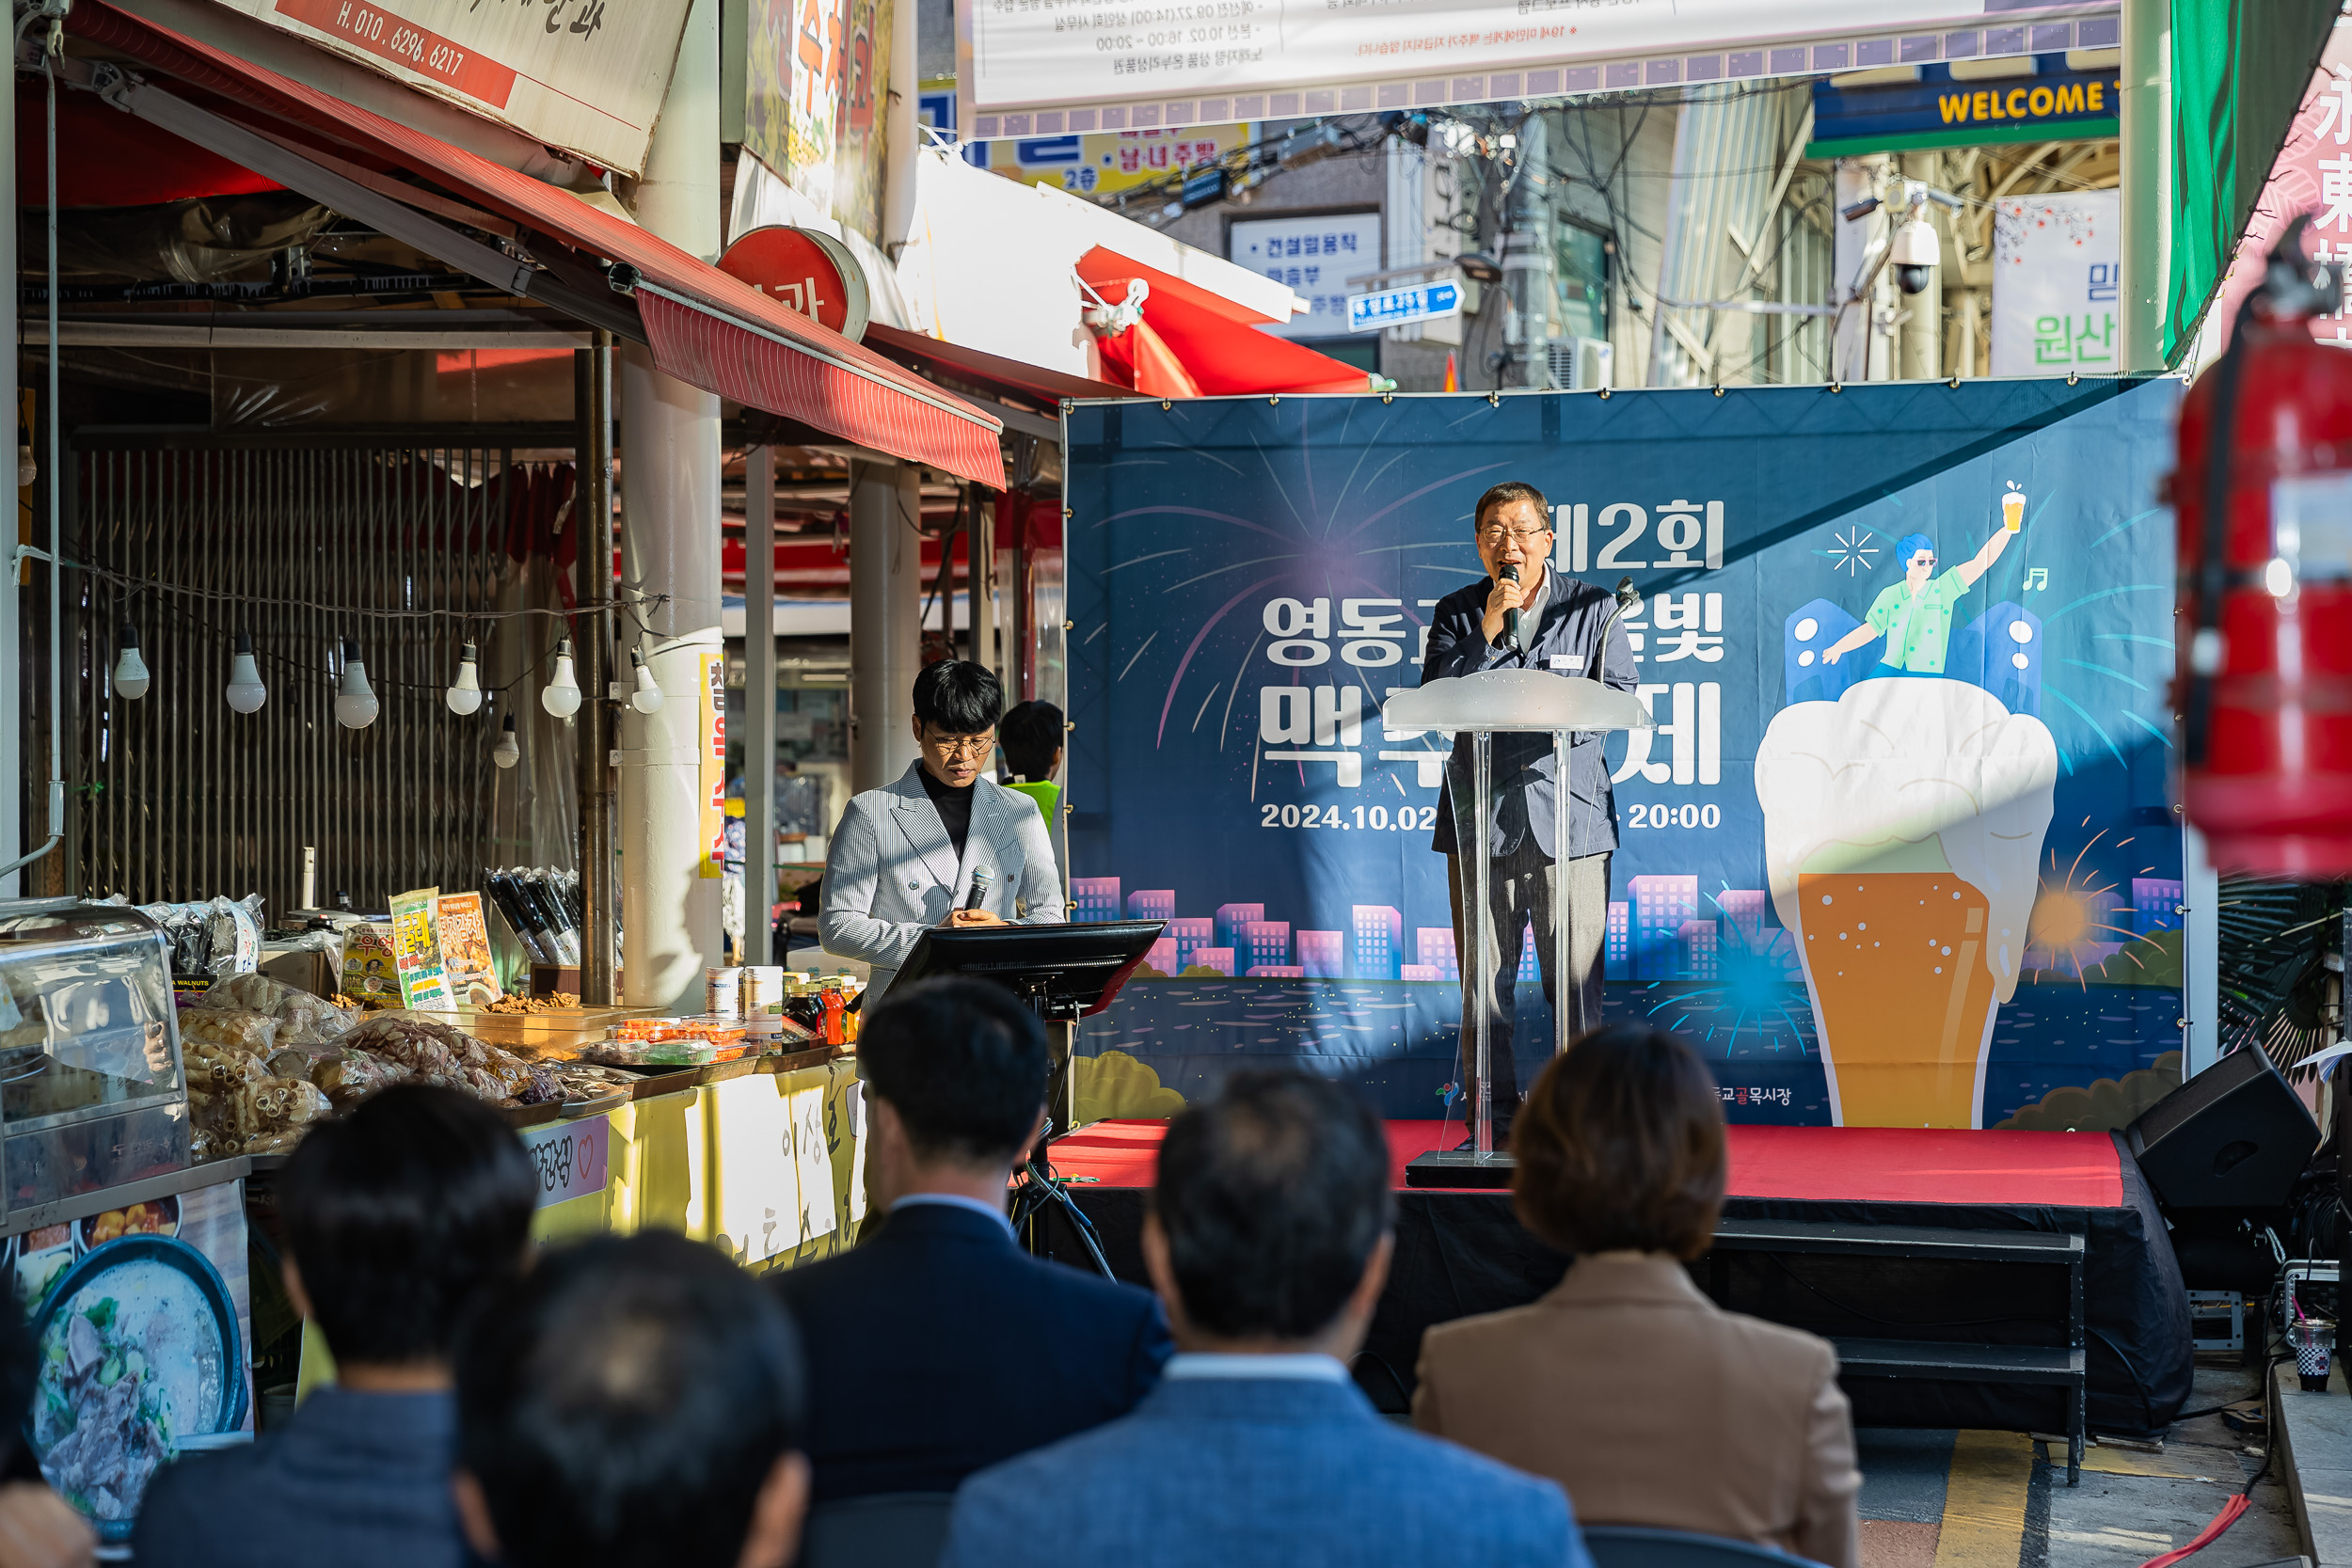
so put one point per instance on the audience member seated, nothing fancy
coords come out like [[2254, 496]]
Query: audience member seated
[[38, 1528], [945, 1347], [394, 1220], [632, 1402], [1268, 1237], [1626, 1384]]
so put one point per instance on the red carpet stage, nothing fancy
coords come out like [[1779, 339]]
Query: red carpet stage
[[1867, 1164], [1461, 1252]]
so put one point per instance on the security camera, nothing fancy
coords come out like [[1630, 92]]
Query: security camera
[[1915, 254]]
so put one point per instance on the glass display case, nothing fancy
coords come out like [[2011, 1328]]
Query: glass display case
[[92, 1093]]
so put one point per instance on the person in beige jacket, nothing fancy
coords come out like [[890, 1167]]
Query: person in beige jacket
[[1646, 1402]]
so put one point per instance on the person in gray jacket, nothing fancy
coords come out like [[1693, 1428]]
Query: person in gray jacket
[[904, 858]]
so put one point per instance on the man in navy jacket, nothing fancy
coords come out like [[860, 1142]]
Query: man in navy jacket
[[1268, 1236], [937, 1346], [1561, 620]]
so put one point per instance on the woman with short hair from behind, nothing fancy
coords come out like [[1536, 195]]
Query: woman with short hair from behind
[[1647, 1403]]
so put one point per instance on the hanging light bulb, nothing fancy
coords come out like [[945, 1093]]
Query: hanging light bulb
[[562, 694], [647, 697], [245, 691], [506, 754], [355, 701], [465, 693], [130, 680]]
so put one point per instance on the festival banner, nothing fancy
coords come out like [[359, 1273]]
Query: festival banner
[[1944, 893]]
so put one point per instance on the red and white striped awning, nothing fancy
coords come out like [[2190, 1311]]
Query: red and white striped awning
[[703, 327]]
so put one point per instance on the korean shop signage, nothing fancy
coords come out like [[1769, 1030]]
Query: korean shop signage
[[584, 76]]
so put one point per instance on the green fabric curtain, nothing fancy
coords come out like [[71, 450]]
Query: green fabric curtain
[[2239, 71]]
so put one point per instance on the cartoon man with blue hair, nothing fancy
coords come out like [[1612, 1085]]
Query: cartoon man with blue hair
[[1915, 614]]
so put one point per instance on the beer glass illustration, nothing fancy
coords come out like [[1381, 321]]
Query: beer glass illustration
[[1902, 827]]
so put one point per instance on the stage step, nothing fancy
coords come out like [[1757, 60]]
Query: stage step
[[2060, 1248], [1919, 1358], [2064, 1365]]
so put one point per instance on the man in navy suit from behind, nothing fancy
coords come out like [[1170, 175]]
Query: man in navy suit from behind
[[937, 1347], [1268, 1238]]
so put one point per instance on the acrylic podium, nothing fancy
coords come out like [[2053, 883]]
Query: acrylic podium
[[1521, 705]]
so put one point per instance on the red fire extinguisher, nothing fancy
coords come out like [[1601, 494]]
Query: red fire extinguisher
[[2263, 496]]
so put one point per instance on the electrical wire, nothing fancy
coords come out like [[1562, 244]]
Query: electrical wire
[[146, 585]]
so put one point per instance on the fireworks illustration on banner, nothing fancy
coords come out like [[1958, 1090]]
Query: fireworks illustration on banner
[[1852, 552]]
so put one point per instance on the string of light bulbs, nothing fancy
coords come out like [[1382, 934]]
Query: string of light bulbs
[[355, 704]]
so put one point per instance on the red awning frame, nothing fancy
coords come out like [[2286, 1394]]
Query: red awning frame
[[704, 326]]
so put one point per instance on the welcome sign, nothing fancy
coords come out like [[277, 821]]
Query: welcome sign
[[1939, 110], [1899, 851]]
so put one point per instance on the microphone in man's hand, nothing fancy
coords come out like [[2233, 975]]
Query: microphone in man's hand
[[1511, 617], [981, 877]]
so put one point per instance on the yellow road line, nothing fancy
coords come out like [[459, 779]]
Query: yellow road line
[[1984, 1501]]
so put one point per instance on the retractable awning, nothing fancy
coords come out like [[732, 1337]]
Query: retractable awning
[[1215, 342], [703, 327]]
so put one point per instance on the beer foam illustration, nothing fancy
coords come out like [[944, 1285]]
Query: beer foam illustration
[[1898, 772]]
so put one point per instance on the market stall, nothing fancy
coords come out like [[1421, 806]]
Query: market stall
[[153, 1080]]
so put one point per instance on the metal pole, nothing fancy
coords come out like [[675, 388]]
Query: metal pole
[[2145, 122], [1567, 1020], [594, 514], [980, 582], [885, 620], [12, 598], [1483, 935], [1527, 262], [759, 704]]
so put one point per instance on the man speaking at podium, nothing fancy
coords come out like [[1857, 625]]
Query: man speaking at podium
[[1524, 615], [945, 845]]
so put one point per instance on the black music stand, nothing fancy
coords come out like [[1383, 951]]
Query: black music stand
[[1064, 973]]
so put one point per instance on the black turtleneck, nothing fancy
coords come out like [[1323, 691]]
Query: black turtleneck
[[954, 807]]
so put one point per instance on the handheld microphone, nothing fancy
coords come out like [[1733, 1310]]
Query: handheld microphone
[[1511, 617], [981, 877]]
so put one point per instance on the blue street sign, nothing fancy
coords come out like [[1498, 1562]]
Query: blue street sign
[[1397, 306]]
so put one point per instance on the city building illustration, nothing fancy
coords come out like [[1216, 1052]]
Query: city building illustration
[[1666, 930]]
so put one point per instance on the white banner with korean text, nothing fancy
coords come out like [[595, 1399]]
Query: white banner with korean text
[[2057, 265], [1053, 66]]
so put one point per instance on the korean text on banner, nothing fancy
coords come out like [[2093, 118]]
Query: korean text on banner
[[2057, 265], [1899, 851], [417, 948], [714, 769], [816, 80], [465, 937], [563, 73], [1259, 58]]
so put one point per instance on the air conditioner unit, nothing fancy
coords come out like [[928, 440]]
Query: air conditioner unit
[[1581, 364]]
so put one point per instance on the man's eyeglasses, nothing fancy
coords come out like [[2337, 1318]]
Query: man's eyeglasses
[[1493, 537], [972, 745], [1929, 561]]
